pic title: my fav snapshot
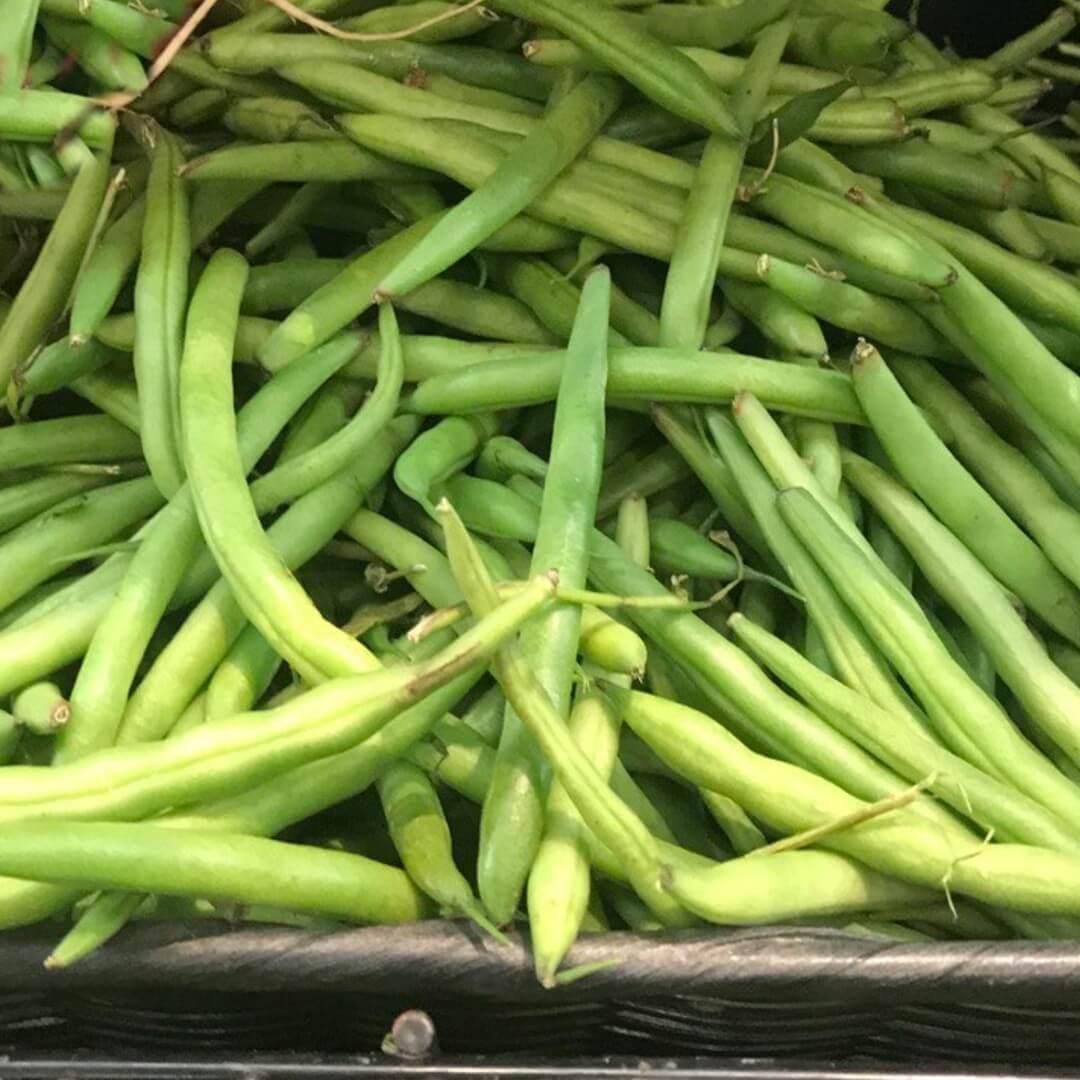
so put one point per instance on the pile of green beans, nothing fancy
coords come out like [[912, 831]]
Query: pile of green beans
[[613, 465]]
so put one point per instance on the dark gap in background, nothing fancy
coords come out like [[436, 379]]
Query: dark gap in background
[[975, 27]]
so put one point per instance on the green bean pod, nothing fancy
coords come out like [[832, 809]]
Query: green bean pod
[[512, 821], [898, 843], [849, 307], [44, 292], [1050, 698], [160, 302], [421, 836], [987, 801], [970, 722], [660, 72], [107, 268], [926, 463], [618, 828], [651, 374]]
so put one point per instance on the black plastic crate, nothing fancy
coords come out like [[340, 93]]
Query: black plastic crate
[[767, 1002]]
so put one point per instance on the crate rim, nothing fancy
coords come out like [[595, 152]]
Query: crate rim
[[777, 964]]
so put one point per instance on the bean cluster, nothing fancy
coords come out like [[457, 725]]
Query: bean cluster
[[609, 463]]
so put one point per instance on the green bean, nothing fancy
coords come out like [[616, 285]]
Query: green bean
[[300, 162], [646, 477], [259, 19], [318, 464], [160, 300], [629, 318], [25, 500], [960, 175], [1006, 472], [512, 186], [135, 29], [395, 59], [827, 219], [485, 715], [44, 644], [547, 293], [786, 324], [972, 793], [135, 781], [1030, 288], [40, 115], [106, 271], [713, 474], [341, 300], [695, 258], [1044, 35], [749, 891], [41, 708], [280, 286], [792, 731], [199, 108], [1004, 420], [113, 393], [293, 215], [103, 59], [471, 160], [605, 171], [272, 805], [242, 677], [165, 554], [961, 580], [350, 87], [194, 652], [1061, 239], [640, 373], [743, 835], [617, 827], [850, 649], [421, 836], [41, 443], [322, 416], [849, 307], [678, 548], [503, 456], [152, 859], [963, 505], [62, 363], [477, 311], [512, 821], [44, 293], [964, 716], [660, 72], [215, 201], [441, 452], [44, 168], [275, 120], [709, 27], [1009, 227], [632, 532], [410, 15], [462, 761], [38, 549], [446, 87], [16, 48], [229, 522], [897, 843]]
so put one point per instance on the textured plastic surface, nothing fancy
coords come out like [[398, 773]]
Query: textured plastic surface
[[199, 995]]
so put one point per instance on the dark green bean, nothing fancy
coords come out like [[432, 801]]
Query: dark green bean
[[395, 59], [44, 293]]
